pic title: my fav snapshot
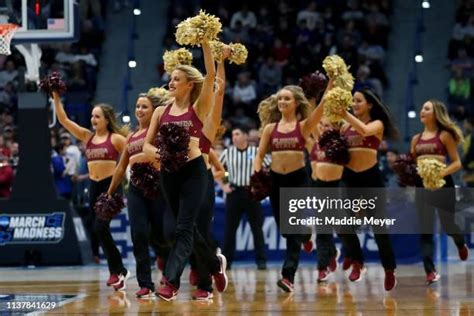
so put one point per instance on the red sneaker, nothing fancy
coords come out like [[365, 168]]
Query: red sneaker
[[390, 280], [202, 295], [168, 292], [323, 275], [113, 280], [432, 277], [333, 262], [193, 277], [122, 285], [357, 272], [160, 264], [145, 293], [463, 252], [308, 246], [285, 285], [220, 278], [347, 263]]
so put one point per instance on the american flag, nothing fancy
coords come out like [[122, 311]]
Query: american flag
[[56, 24]]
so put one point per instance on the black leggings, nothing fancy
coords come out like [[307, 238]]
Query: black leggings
[[185, 190], [145, 215], [298, 178], [102, 229], [325, 242], [371, 178], [445, 201], [203, 223]]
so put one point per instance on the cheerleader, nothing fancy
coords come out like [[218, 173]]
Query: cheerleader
[[185, 188], [364, 132], [144, 211], [103, 148], [325, 174], [438, 140], [206, 214], [286, 121]]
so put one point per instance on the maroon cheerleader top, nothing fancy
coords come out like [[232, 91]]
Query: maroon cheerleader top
[[291, 141], [102, 151], [357, 141], [189, 120], [318, 155], [205, 145], [431, 146], [135, 143]]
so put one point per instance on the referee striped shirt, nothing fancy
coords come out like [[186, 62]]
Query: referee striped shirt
[[239, 164]]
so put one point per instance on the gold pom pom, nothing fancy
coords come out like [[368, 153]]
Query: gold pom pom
[[196, 30], [238, 53], [337, 100], [334, 66], [217, 49], [176, 57], [429, 170], [344, 81]]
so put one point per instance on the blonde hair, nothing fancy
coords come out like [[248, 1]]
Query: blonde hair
[[112, 126], [192, 75], [444, 122], [157, 97], [268, 109]]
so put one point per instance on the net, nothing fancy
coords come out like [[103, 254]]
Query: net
[[6, 33]]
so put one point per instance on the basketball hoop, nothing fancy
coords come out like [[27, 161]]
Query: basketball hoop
[[6, 33]]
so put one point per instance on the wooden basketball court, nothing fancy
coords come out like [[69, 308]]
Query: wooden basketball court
[[82, 290]]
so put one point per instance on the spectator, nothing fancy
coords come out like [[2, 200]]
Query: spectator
[[270, 76], [63, 169], [254, 137], [8, 95], [459, 87], [9, 74], [353, 12], [362, 78], [244, 92], [15, 155], [280, 52], [72, 151], [464, 62], [4, 149], [8, 133], [6, 177], [247, 18], [310, 15]]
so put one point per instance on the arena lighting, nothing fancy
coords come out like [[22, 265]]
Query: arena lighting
[[132, 63], [425, 4], [419, 58], [126, 118], [137, 11], [412, 114]]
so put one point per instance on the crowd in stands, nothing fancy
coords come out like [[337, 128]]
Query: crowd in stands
[[286, 40], [460, 96]]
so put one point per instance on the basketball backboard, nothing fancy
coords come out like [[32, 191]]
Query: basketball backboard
[[41, 20]]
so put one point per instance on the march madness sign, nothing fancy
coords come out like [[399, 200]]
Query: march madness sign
[[31, 228]]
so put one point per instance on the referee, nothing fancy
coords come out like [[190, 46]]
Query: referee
[[238, 160]]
